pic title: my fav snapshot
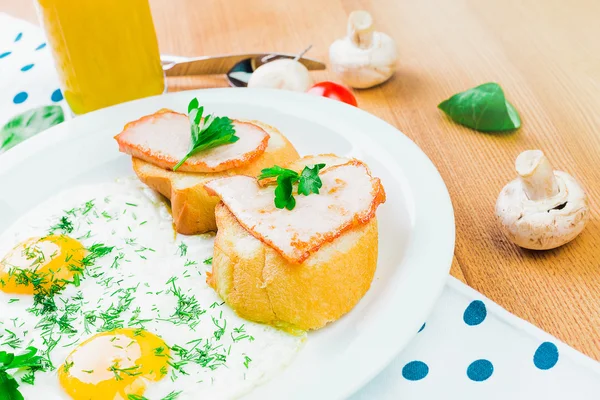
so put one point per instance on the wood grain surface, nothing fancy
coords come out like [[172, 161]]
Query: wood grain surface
[[545, 54]]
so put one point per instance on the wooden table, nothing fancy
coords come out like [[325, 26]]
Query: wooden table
[[545, 54]]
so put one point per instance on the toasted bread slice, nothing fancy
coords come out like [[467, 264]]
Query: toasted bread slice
[[261, 285], [192, 207]]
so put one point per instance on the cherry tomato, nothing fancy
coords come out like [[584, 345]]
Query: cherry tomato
[[334, 91]]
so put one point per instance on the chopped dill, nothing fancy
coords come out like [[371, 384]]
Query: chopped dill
[[183, 248], [130, 371], [68, 365], [64, 225], [220, 329], [188, 310], [88, 206]]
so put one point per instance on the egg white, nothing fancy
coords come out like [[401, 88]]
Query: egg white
[[149, 256]]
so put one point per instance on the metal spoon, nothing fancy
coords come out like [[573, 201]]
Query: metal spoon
[[239, 75]]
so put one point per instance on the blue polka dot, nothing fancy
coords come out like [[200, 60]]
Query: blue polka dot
[[20, 97], [41, 46], [19, 36], [26, 67], [56, 96], [6, 53], [546, 356], [415, 370], [475, 313], [480, 370], [422, 327]]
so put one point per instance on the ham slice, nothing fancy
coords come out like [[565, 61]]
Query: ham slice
[[349, 197], [164, 138]]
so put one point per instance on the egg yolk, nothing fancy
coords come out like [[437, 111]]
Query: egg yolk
[[113, 365], [38, 264]]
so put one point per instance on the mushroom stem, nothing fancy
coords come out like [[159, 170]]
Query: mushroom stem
[[537, 175], [360, 29]]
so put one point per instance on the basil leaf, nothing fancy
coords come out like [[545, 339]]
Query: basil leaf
[[483, 108], [28, 124]]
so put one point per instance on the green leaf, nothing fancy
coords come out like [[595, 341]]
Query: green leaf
[[483, 108], [193, 104], [27, 359], [9, 387], [283, 193], [309, 180], [208, 132], [275, 171], [6, 359], [28, 124]]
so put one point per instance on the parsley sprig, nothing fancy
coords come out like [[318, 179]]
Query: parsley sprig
[[308, 182], [207, 132], [9, 387]]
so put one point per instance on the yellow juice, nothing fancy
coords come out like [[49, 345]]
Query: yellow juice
[[105, 51]]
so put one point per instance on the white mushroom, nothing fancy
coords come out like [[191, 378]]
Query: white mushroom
[[284, 74], [364, 58], [541, 209]]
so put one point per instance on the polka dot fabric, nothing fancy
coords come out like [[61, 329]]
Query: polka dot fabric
[[28, 78], [468, 349], [471, 349]]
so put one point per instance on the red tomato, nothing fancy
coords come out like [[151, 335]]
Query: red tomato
[[334, 91]]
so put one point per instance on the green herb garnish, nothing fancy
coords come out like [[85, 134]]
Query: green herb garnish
[[9, 387], [308, 182], [483, 108], [28, 124], [65, 225], [182, 249], [188, 309], [207, 132], [171, 396]]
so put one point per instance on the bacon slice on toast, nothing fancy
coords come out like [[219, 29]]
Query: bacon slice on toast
[[349, 197], [164, 138]]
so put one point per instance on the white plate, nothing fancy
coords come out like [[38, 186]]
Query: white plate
[[416, 224]]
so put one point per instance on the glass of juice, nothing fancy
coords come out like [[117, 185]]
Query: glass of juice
[[105, 51]]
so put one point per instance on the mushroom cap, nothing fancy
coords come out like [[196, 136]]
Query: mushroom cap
[[364, 68], [543, 224], [284, 74]]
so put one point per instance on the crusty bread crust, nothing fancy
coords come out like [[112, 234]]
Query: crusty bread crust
[[193, 208], [260, 285]]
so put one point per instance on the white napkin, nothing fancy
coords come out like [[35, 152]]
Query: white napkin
[[469, 348]]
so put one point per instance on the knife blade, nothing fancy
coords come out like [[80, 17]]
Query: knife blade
[[211, 65]]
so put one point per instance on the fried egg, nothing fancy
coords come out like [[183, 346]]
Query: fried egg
[[40, 263], [123, 310], [114, 365]]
